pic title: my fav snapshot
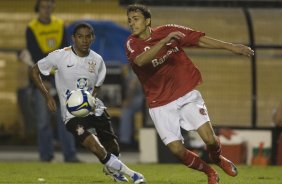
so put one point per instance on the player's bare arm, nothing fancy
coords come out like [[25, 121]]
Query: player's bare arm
[[95, 91], [148, 55], [35, 75], [208, 42]]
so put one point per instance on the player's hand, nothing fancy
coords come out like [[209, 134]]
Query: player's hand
[[99, 107], [51, 103], [242, 50], [173, 36]]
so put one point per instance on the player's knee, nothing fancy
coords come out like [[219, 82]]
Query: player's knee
[[82, 137], [177, 148]]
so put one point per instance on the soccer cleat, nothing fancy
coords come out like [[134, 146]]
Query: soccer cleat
[[138, 178], [213, 178], [227, 166], [118, 177]]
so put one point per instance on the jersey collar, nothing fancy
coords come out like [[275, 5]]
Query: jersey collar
[[73, 50]]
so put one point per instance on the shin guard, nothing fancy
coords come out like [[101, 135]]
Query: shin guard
[[193, 161]]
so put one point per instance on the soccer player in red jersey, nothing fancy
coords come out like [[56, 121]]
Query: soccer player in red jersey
[[169, 79]]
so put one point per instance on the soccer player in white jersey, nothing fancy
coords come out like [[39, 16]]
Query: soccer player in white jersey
[[78, 67], [169, 79]]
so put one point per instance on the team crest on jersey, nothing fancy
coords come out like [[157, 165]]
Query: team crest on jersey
[[82, 83], [91, 66], [79, 129], [202, 111]]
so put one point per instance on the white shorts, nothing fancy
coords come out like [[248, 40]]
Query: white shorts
[[188, 112]]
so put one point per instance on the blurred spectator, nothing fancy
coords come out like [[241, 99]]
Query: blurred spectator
[[44, 34], [132, 103], [24, 97]]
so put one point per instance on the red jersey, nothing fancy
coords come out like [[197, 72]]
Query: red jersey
[[171, 74]]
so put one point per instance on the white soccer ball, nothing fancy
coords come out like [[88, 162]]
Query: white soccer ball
[[80, 103]]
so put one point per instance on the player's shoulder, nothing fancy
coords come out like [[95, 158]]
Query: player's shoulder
[[131, 40], [95, 55], [176, 26], [163, 29], [131, 37], [66, 49], [131, 43], [171, 27], [61, 52]]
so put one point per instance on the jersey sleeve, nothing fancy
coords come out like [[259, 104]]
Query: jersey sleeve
[[191, 36], [101, 73], [131, 50], [49, 62]]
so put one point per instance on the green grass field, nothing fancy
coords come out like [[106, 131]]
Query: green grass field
[[86, 173]]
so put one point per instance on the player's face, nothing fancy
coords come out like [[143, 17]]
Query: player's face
[[138, 25], [82, 40]]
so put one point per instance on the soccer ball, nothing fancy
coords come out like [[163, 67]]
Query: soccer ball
[[80, 103]]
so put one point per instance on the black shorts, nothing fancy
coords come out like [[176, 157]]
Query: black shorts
[[100, 126]]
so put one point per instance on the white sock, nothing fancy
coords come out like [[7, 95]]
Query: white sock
[[115, 164]]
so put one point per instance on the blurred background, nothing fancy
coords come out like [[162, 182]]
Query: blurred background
[[241, 93]]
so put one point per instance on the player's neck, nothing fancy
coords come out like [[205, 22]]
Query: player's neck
[[80, 53], [146, 34]]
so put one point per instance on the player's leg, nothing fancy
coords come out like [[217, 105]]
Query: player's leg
[[195, 117], [106, 134], [92, 143], [167, 121], [196, 114], [108, 139], [192, 160], [112, 146], [214, 148], [79, 127]]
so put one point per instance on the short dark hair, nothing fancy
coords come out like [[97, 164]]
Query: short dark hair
[[82, 25], [139, 7], [36, 7]]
